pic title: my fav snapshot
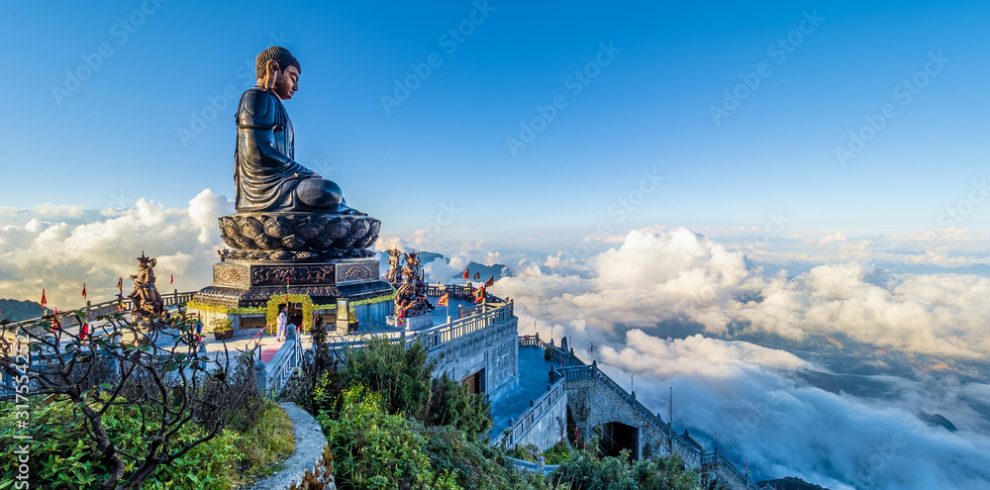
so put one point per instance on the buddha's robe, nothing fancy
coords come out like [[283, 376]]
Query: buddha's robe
[[266, 174]]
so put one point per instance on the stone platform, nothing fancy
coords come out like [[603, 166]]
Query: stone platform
[[244, 283]]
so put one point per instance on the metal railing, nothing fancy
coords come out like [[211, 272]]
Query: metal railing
[[282, 366], [538, 409], [459, 291], [439, 335], [91, 310]]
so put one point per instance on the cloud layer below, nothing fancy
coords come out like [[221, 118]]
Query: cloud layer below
[[669, 306]]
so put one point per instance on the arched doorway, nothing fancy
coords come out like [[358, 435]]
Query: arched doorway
[[616, 436], [295, 314]]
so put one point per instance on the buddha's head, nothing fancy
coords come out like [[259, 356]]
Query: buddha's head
[[277, 70]]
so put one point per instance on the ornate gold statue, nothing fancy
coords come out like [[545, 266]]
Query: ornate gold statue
[[147, 300], [410, 298]]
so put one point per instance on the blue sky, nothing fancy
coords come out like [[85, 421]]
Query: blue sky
[[176, 70]]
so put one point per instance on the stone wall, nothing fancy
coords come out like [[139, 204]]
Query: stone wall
[[596, 401], [494, 349], [546, 426], [374, 313]]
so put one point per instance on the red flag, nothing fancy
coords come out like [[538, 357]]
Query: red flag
[[477, 275], [490, 282], [120, 285], [55, 323], [84, 291], [444, 299], [44, 300], [466, 274], [479, 295], [171, 279]]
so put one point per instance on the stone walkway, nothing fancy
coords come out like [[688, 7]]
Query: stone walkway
[[307, 461], [534, 380]]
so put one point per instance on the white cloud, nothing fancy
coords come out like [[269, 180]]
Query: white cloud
[[59, 256], [938, 314], [50, 210], [673, 274], [766, 420], [833, 238], [626, 299]]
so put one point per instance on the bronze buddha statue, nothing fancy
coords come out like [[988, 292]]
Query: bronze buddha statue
[[285, 211], [266, 174]]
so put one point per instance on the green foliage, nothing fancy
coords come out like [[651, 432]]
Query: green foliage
[[452, 404], [387, 418], [476, 464], [402, 376], [266, 443], [62, 455], [374, 449], [557, 454], [276, 301], [528, 452], [222, 325], [586, 470]]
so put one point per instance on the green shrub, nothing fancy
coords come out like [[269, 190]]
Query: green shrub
[[374, 449], [265, 444], [452, 404], [62, 455], [401, 375], [476, 464], [557, 454], [585, 470]]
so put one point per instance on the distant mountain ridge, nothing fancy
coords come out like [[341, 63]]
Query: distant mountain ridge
[[17, 310], [790, 483], [484, 272]]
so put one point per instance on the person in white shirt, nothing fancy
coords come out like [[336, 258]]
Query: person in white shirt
[[283, 321]]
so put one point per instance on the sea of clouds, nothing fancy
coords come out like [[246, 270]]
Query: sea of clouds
[[819, 370]]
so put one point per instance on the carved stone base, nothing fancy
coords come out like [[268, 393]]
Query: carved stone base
[[246, 284], [411, 322]]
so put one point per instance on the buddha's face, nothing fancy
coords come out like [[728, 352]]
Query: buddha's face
[[287, 83]]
